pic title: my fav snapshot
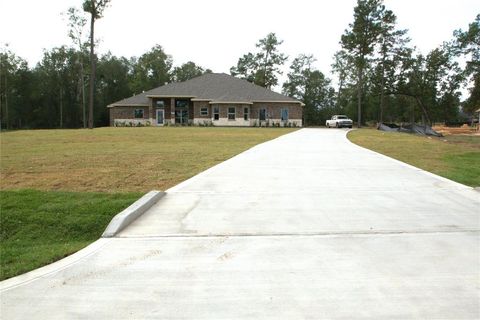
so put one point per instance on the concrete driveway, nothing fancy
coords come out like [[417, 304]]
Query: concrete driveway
[[305, 226]]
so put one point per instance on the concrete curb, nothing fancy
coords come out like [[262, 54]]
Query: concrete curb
[[127, 216]]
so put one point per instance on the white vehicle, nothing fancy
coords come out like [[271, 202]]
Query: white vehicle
[[339, 121]]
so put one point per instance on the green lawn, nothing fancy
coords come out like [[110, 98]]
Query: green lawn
[[455, 157], [39, 227], [60, 188]]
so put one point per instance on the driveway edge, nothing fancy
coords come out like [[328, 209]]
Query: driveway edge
[[127, 216], [425, 172]]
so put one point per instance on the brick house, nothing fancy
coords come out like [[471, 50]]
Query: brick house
[[213, 99]]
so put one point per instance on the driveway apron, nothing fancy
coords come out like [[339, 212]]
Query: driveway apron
[[305, 226]]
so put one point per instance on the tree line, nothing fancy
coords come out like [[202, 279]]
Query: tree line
[[56, 92], [381, 76]]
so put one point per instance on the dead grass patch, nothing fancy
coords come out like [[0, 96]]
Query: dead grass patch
[[119, 159]]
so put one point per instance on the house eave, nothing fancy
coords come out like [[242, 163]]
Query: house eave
[[169, 96], [128, 105], [276, 101], [230, 102], [198, 99]]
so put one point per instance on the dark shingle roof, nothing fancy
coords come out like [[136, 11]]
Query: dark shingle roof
[[219, 87]]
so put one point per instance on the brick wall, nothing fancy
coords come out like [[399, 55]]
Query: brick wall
[[197, 105], [295, 110], [126, 113]]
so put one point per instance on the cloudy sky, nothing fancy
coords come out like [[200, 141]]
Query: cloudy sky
[[215, 33]]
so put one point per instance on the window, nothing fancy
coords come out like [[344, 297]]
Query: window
[[181, 116], [160, 104], [204, 111], [181, 111], [181, 103], [245, 114], [284, 114], [216, 113], [231, 113], [138, 114], [263, 114]]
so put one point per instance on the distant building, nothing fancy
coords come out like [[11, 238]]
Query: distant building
[[211, 99]]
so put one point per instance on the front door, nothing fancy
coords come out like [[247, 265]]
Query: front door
[[262, 114], [160, 117]]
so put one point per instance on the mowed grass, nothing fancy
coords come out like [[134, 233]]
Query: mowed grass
[[60, 188], [456, 157], [39, 227], [119, 159]]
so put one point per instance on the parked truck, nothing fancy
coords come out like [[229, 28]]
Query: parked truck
[[339, 121]]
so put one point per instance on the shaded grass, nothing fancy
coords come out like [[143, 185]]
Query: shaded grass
[[39, 227], [119, 159], [453, 157]]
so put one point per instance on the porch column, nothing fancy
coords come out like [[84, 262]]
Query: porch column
[[172, 110], [150, 112]]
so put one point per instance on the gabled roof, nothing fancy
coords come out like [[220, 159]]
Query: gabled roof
[[214, 87]]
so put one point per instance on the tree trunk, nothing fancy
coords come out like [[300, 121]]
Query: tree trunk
[[340, 88], [359, 97], [92, 68], [82, 91], [265, 71], [84, 111], [382, 91], [7, 121], [424, 112], [1, 110], [61, 109]]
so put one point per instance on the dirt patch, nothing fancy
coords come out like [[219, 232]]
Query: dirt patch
[[464, 130]]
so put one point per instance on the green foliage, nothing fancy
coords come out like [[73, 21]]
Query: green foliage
[[151, 70], [39, 227], [312, 88], [16, 81], [262, 67], [187, 71], [95, 7], [360, 39], [380, 78], [467, 45], [34, 97]]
